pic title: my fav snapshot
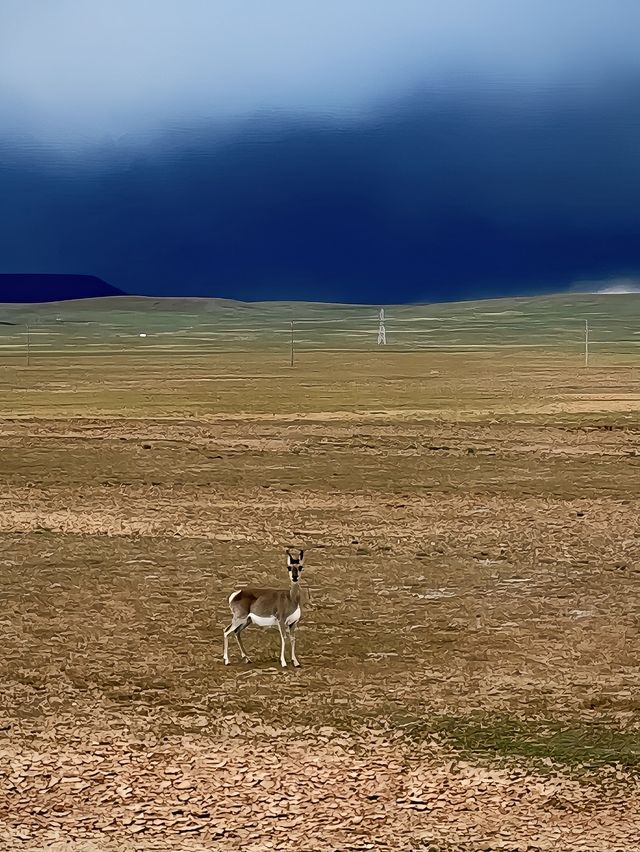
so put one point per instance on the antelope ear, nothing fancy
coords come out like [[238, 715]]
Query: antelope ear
[[288, 556], [301, 555]]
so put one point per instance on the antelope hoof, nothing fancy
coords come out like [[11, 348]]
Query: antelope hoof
[[246, 660], [296, 664], [283, 664], [226, 662]]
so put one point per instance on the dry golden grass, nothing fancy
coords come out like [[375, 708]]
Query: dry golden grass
[[470, 645]]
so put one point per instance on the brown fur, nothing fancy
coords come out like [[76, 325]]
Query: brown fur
[[266, 603], [278, 604]]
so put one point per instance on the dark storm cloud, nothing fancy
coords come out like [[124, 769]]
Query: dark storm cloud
[[425, 200], [357, 150]]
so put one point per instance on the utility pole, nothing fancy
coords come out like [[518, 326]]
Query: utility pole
[[292, 345], [586, 343]]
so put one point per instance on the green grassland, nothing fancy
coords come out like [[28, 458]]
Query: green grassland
[[187, 326]]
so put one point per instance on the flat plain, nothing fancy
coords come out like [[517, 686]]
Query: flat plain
[[468, 500]]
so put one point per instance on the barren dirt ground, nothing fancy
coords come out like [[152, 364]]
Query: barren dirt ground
[[469, 646]]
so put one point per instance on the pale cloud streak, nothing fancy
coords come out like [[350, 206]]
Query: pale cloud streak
[[89, 68]]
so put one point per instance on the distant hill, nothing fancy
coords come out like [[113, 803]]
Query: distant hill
[[22, 288], [136, 326]]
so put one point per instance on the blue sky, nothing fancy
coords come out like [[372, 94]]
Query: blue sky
[[354, 151]]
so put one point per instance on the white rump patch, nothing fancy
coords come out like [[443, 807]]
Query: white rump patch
[[233, 595]]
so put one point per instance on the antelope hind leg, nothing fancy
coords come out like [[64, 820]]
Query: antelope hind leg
[[235, 624], [239, 641]]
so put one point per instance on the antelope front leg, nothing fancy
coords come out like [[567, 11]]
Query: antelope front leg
[[292, 640], [283, 661]]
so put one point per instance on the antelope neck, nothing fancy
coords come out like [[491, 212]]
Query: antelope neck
[[294, 592]]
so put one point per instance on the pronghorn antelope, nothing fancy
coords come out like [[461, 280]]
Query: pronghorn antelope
[[268, 608]]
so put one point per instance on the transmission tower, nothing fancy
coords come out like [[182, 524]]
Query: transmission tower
[[382, 334]]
